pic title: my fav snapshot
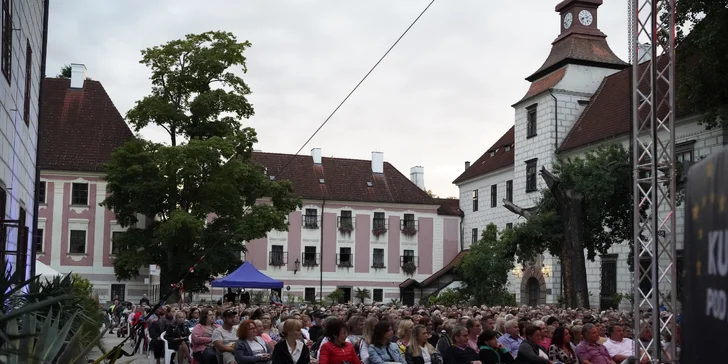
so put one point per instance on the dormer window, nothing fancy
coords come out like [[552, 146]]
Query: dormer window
[[508, 148], [492, 153]]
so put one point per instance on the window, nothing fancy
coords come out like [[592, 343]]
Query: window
[[79, 194], [310, 219], [475, 200], [378, 295], [38, 241], [309, 294], [493, 195], [409, 221], [379, 221], [310, 257], [531, 173], [115, 238], [346, 220], [28, 83], [22, 246], [531, 121], [42, 192], [277, 256], [346, 259], [3, 228], [77, 242], [408, 256], [509, 190], [474, 236], [509, 226], [118, 292], [684, 153], [7, 41], [378, 258], [645, 283]]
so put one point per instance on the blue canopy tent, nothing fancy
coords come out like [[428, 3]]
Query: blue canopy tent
[[247, 277]]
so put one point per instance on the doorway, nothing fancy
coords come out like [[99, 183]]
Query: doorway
[[533, 288], [347, 294]]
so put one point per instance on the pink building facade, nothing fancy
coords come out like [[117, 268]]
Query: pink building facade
[[376, 230], [80, 128]]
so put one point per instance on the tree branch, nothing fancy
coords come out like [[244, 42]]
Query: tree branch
[[510, 206], [553, 183]]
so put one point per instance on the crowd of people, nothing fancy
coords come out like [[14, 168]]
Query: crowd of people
[[232, 333]]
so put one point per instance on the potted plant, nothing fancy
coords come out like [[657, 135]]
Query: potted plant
[[409, 268], [362, 294], [409, 230], [346, 228], [379, 230]]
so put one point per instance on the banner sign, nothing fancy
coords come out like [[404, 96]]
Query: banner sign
[[154, 270], [705, 300]]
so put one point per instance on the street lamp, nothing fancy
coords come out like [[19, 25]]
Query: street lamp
[[296, 266]]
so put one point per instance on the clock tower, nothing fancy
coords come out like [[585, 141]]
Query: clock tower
[[580, 41]]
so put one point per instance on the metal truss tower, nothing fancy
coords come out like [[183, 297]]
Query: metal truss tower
[[652, 54]]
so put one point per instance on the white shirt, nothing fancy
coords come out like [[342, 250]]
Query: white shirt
[[295, 353], [624, 347], [425, 355]]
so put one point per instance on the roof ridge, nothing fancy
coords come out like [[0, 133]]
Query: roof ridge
[[308, 156]]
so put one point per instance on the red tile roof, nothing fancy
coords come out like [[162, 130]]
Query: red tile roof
[[579, 49], [609, 113], [453, 263], [344, 179], [80, 127], [544, 83], [449, 207], [502, 157]]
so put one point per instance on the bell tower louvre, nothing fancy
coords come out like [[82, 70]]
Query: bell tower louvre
[[580, 41]]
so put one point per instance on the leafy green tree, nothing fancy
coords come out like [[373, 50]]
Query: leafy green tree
[[484, 270], [362, 294], [701, 57], [585, 195], [198, 192]]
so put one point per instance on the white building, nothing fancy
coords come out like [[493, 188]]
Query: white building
[[580, 98], [24, 28]]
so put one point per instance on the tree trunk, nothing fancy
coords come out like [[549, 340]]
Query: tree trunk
[[167, 279], [571, 210]]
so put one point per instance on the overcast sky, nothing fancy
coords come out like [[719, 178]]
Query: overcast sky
[[441, 97]]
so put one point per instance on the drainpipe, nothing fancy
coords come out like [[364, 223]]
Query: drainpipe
[[33, 251], [556, 120], [321, 251]]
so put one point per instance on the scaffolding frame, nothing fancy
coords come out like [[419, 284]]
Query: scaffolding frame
[[652, 54]]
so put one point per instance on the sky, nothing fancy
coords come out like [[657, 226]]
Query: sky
[[440, 98]]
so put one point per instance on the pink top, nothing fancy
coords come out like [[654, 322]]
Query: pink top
[[266, 338], [201, 336]]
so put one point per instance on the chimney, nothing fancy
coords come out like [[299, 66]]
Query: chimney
[[467, 165], [316, 155], [377, 162], [417, 175], [78, 75], [644, 53]]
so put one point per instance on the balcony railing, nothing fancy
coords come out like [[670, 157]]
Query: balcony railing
[[408, 224], [409, 263], [277, 258], [310, 259], [311, 221], [345, 224], [345, 260], [378, 261]]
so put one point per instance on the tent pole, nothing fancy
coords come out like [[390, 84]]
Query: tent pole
[[321, 250]]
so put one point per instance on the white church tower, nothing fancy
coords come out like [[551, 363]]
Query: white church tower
[[560, 89]]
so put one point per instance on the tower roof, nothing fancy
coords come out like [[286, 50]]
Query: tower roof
[[580, 40]]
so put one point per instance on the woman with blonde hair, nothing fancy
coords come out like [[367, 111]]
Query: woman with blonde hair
[[291, 349], [366, 339], [404, 333], [419, 350]]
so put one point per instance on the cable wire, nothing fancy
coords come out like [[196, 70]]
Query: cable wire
[[357, 85], [139, 328]]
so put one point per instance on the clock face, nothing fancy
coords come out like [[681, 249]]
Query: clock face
[[568, 19], [585, 17]]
